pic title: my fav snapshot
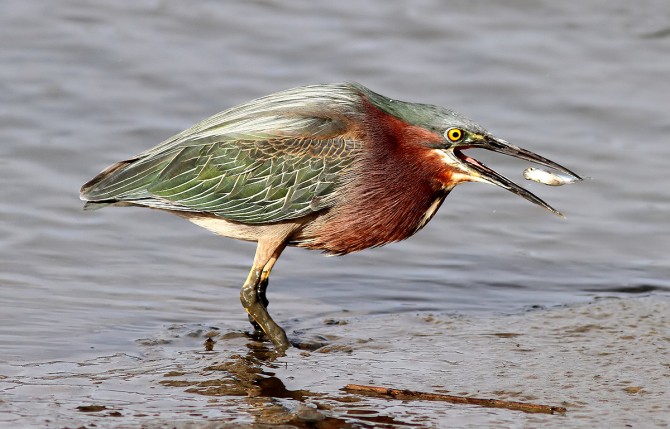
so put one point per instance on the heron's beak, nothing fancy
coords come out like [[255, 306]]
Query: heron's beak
[[480, 172]]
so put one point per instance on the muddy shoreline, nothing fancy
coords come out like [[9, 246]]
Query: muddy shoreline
[[607, 362]]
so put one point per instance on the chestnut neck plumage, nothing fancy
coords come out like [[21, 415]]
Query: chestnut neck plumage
[[396, 187]]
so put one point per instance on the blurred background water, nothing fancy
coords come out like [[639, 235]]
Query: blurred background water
[[86, 83]]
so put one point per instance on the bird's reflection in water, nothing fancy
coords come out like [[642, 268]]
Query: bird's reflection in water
[[270, 402], [249, 375]]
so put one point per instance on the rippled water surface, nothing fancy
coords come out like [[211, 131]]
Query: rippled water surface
[[86, 83]]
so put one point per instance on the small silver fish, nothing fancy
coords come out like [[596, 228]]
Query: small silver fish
[[547, 178]]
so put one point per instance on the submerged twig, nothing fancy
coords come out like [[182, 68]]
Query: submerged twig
[[404, 394]]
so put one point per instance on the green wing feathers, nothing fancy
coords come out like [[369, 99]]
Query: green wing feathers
[[244, 181], [272, 159]]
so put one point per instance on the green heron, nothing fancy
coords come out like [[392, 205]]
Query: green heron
[[336, 168]]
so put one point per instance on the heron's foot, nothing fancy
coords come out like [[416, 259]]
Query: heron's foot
[[278, 337], [253, 298], [265, 326], [274, 333], [262, 298], [258, 331]]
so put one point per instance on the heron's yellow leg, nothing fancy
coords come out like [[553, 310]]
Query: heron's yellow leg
[[253, 291]]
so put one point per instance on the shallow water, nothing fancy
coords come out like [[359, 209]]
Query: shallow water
[[606, 362], [85, 84]]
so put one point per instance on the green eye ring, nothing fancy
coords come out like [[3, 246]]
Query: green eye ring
[[454, 134]]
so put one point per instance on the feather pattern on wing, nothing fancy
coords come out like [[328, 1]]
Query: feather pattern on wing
[[272, 159]]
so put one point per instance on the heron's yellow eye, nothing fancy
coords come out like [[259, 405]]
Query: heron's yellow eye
[[454, 134]]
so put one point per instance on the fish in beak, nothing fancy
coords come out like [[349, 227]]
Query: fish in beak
[[477, 171]]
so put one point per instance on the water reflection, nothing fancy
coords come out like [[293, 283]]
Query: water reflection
[[267, 398]]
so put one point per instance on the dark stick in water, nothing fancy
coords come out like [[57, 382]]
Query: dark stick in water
[[405, 395]]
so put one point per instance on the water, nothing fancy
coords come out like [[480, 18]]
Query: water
[[85, 84]]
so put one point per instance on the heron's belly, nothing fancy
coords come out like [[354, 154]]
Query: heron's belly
[[241, 231]]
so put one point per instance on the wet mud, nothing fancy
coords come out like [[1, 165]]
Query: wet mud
[[607, 362]]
